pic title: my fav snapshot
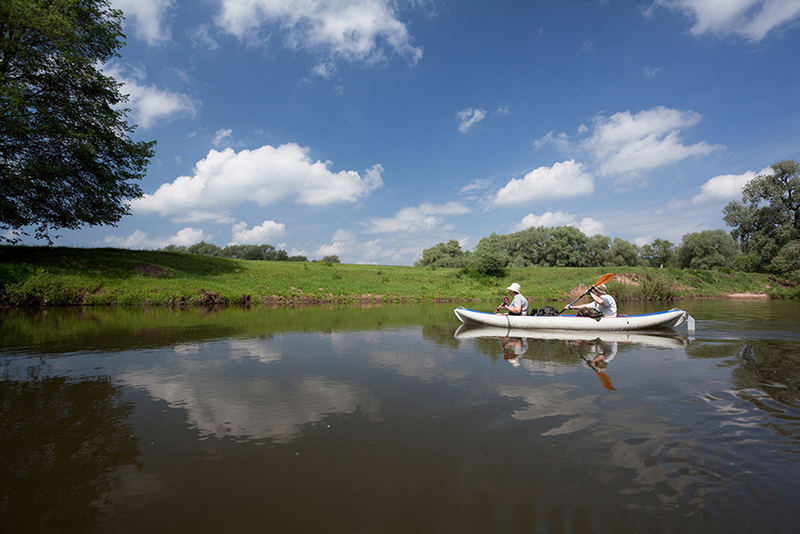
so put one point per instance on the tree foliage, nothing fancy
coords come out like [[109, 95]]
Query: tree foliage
[[66, 159], [624, 253], [766, 222], [443, 255], [562, 246], [241, 252], [659, 253], [709, 249], [490, 256]]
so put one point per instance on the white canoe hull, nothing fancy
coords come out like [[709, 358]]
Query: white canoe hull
[[647, 321], [667, 340]]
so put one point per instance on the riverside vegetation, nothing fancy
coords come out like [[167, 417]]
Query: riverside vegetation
[[57, 276]]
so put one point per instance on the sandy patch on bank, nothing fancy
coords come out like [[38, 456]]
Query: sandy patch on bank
[[748, 296]]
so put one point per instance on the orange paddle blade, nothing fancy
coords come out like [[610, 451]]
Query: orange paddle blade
[[603, 279], [606, 381]]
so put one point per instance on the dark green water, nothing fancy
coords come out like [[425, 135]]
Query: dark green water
[[381, 420]]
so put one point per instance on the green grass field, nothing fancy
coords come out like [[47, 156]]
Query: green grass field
[[57, 276]]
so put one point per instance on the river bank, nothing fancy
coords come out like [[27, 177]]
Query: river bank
[[60, 276]]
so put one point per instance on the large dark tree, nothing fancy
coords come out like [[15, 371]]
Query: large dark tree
[[767, 220], [66, 158]]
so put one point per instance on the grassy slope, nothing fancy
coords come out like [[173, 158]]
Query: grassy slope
[[68, 276]]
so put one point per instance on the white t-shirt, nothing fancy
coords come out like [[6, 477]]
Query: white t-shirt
[[609, 309]]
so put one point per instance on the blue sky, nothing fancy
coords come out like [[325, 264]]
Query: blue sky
[[373, 129]]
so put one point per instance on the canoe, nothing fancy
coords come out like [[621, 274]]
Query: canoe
[[665, 319], [665, 340]]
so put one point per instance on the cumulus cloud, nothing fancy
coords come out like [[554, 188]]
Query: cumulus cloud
[[562, 180], [627, 142], [354, 30], [426, 217], [346, 245], [587, 225], [726, 187], [148, 103], [469, 117], [140, 240], [342, 241], [147, 17], [751, 19], [225, 179], [264, 233]]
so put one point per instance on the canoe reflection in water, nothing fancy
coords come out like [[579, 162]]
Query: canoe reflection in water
[[595, 349]]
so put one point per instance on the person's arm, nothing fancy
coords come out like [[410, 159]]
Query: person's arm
[[598, 298], [515, 307]]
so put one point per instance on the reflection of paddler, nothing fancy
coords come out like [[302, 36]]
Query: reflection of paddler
[[513, 348], [604, 352]]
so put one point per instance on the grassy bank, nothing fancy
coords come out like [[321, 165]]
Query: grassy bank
[[36, 276]]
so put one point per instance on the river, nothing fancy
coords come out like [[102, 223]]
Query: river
[[386, 419]]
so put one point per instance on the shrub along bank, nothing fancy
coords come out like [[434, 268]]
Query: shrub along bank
[[57, 276]]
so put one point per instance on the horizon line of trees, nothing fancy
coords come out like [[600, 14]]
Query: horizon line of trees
[[264, 252], [765, 239], [567, 246]]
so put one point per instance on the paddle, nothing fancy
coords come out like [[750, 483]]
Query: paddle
[[504, 303], [602, 280]]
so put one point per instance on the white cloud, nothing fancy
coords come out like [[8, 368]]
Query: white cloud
[[475, 186], [266, 232], [426, 217], [148, 18], [345, 244], [650, 72], [590, 227], [626, 142], [342, 241], [201, 37], [469, 117], [561, 141], [354, 30], [562, 180], [750, 19], [222, 136], [225, 179], [140, 240], [549, 219], [148, 103], [726, 186]]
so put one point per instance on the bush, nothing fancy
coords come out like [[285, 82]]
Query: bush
[[489, 258]]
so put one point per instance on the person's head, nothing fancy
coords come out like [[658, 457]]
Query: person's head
[[600, 290], [514, 288]]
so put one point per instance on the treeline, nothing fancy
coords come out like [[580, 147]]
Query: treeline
[[244, 252], [566, 246], [765, 239]]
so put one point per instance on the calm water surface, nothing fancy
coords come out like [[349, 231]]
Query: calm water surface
[[386, 419]]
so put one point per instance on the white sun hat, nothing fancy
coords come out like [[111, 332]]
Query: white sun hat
[[514, 287]]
